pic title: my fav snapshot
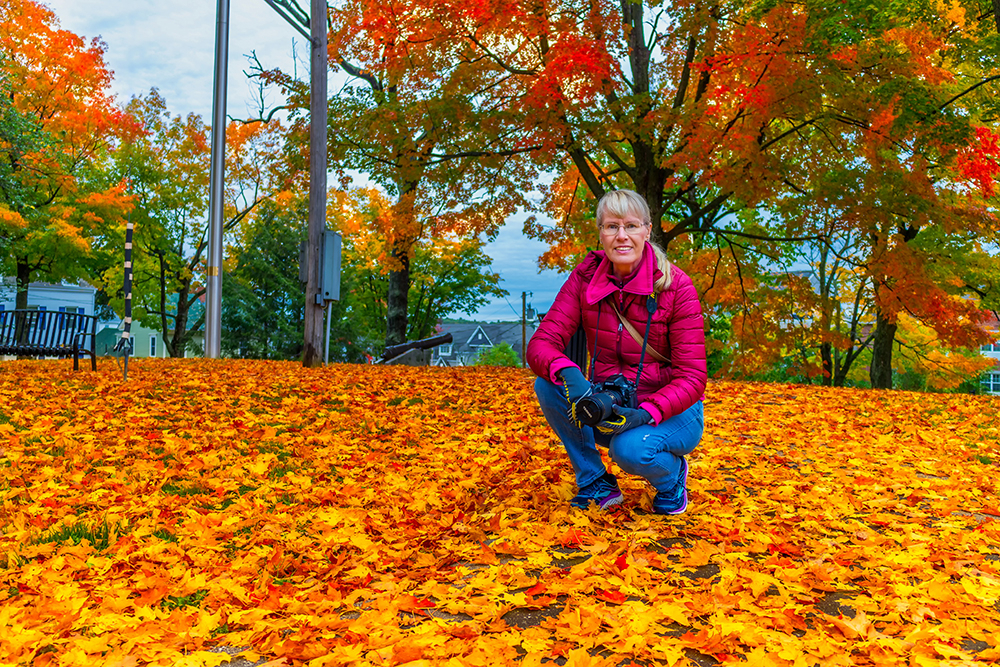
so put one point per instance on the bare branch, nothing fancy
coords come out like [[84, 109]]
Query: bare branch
[[363, 74], [996, 3]]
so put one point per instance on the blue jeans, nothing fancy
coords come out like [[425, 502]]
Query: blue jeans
[[653, 452]]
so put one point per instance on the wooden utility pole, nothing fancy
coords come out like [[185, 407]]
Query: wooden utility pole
[[312, 349]]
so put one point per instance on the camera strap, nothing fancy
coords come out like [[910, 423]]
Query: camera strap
[[593, 357], [635, 334]]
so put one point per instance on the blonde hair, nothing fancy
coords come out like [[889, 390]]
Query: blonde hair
[[623, 203]]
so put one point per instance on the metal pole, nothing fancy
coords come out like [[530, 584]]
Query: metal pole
[[317, 184], [524, 328], [213, 304], [326, 342]]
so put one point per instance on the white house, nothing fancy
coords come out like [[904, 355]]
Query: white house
[[64, 298]]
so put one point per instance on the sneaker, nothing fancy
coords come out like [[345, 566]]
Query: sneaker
[[604, 491], [674, 501]]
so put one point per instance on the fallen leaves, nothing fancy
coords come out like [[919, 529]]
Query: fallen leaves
[[387, 515]]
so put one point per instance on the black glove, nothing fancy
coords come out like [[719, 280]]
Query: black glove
[[575, 386], [625, 419]]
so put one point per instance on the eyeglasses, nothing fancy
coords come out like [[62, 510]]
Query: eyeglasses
[[612, 230]]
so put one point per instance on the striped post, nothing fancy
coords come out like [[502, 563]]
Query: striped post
[[125, 344]]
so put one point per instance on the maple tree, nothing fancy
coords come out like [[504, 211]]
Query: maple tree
[[924, 363], [908, 214], [373, 515], [167, 169], [737, 120], [58, 123]]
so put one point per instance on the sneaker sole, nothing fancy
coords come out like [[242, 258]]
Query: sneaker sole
[[613, 500], [680, 510]]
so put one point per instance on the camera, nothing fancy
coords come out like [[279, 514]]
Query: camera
[[597, 407]]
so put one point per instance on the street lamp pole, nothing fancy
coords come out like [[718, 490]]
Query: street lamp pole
[[213, 287]]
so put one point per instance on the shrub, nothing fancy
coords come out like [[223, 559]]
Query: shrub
[[499, 355]]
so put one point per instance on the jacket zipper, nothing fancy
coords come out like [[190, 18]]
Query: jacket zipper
[[621, 309]]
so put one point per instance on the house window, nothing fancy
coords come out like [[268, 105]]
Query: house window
[[152, 346], [991, 383], [995, 347], [444, 350]]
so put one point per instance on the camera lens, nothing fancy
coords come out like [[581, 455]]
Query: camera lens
[[594, 409]]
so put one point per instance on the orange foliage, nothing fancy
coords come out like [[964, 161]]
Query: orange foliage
[[980, 162], [388, 515], [922, 351], [60, 85]]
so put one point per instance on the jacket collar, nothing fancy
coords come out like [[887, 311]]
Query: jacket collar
[[641, 282]]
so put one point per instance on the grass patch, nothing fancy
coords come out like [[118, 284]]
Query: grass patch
[[5, 419], [165, 535], [99, 536], [183, 490], [182, 601], [278, 472], [276, 448]]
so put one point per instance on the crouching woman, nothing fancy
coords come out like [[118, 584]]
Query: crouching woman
[[643, 324]]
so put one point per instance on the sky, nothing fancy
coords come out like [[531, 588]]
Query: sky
[[170, 45]]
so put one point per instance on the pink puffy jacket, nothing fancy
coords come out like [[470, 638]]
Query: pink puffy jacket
[[676, 332]]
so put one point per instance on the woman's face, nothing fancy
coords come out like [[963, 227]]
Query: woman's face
[[623, 239]]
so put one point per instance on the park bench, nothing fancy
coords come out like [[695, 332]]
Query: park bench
[[49, 333]]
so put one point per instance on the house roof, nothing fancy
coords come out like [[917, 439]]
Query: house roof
[[470, 336]]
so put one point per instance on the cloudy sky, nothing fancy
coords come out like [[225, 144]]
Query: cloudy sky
[[170, 45]]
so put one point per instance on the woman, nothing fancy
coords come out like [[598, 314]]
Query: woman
[[628, 285]]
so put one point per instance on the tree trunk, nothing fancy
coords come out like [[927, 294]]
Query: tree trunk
[[826, 353], [178, 342], [23, 280], [397, 299], [881, 368]]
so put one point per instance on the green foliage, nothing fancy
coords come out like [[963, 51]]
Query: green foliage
[[448, 276], [167, 171], [501, 354], [19, 135], [719, 329], [262, 298]]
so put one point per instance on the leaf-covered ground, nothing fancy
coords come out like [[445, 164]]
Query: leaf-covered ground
[[358, 515]]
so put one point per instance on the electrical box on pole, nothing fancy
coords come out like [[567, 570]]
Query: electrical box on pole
[[329, 289], [329, 262]]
